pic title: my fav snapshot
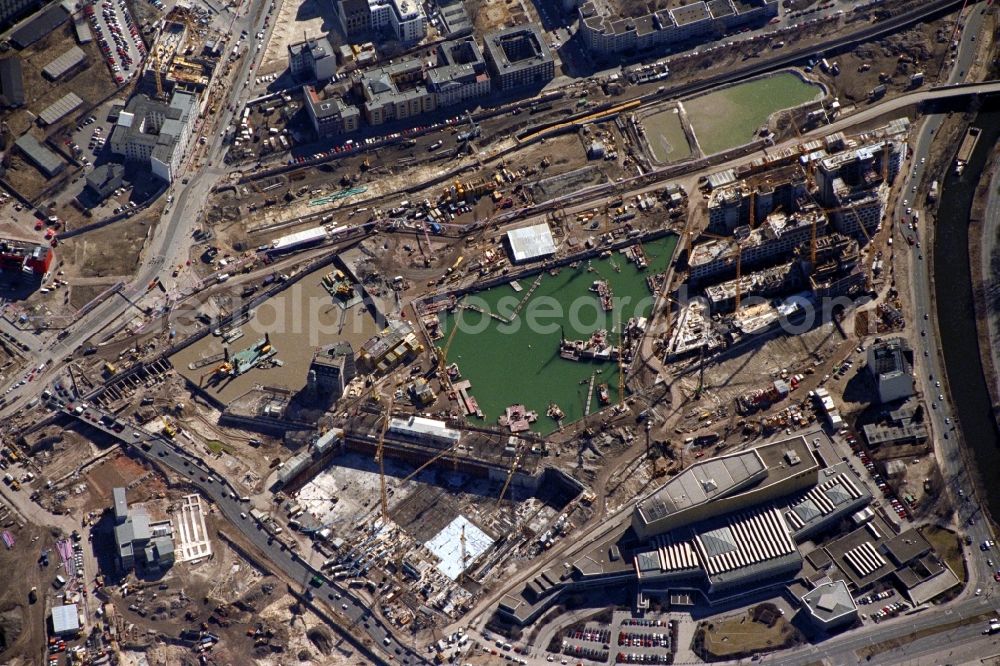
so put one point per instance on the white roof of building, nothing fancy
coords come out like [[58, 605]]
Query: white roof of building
[[447, 545], [418, 425], [531, 242], [65, 619]]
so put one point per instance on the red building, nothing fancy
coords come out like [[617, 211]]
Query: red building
[[24, 258]]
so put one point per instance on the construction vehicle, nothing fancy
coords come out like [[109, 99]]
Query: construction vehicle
[[169, 429]]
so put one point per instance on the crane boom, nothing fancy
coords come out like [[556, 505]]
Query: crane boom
[[380, 457]]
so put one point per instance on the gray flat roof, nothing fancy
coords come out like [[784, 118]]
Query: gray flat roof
[[531, 242], [11, 82], [120, 503], [61, 107], [46, 160], [38, 27], [830, 601], [704, 481], [64, 63]]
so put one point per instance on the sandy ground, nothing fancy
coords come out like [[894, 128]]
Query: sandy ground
[[295, 22]]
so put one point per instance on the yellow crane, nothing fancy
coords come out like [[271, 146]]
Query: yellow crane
[[739, 262], [621, 367], [380, 457], [510, 475]]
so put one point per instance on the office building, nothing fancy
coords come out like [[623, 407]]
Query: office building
[[721, 527], [460, 75], [395, 92], [355, 19], [776, 238], [606, 31], [407, 20], [329, 115], [312, 60], [331, 369], [890, 365], [830, 605], [137, 539], [155, 134], [519, 57]]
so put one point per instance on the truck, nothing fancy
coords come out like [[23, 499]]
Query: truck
[[932, 193], [993, 627]]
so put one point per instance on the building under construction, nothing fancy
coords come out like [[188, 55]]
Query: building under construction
[[779, 235], [762, 284], [837, 270], [179, 59]]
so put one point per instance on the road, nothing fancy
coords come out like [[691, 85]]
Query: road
[[171, 238], [159, 450], [169, 243], [930, 361]]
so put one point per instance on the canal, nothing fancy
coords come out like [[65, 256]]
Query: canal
[[956, 312], [519, 362]]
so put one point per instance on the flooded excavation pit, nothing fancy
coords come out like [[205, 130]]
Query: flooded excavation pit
[[274, 345], [544, 349]]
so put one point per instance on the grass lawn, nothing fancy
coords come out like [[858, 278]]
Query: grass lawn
[[946, 544], [216, 446], [741, 635]]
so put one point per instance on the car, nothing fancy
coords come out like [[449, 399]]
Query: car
[[941, 397], [947, 421], [926, 316], [937, 384]]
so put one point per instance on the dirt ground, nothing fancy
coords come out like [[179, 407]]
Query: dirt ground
[[922, 48], [26, 179], [22, 624], [294, 22], [91, 82], [111, 251], [233, 597], [495, 14]]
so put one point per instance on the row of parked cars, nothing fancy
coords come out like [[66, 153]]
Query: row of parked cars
[[642, 658], [115, 46], [643, 639]]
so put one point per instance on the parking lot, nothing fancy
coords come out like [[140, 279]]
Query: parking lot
[[118, 37], [626, 640]]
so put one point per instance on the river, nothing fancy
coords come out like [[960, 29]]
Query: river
[[956, 313]]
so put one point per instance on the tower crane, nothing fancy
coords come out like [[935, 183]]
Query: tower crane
[[739, 262], [510, 475], [380, 458]]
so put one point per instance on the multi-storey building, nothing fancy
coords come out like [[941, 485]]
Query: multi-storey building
[[461, 75], [777, 237], [155, 133], [519, 57], [312, 59], [605, 32], [355, 19], [395, 92], [330, 116], [408, 21]]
